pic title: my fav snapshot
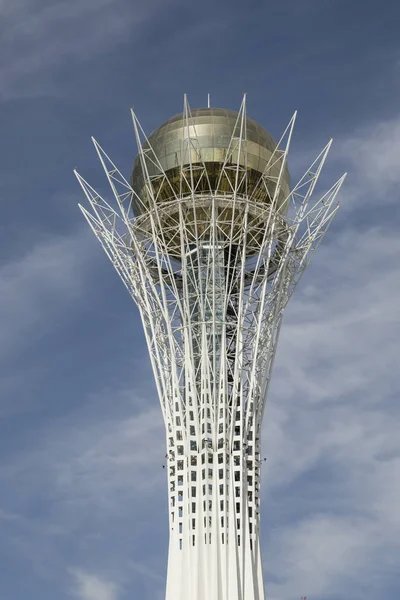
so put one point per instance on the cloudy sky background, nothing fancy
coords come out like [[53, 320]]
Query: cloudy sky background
[[82, 492]]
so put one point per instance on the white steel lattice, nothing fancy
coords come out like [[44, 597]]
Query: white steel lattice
[[211, 272]]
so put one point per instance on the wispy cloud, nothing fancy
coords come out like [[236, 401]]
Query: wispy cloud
[[96, 473], [333, 467], [92, 587], [372, 154], [36, 287], [74, 32]]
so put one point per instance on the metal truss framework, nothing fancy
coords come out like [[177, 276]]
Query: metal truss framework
[[211, 274]]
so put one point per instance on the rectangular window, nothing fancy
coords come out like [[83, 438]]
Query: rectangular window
[[193, 475], [221, 428], [179, 435], [193, 460], [192, 430], [178, 421], [180, 450], [180, 465], [220, 458], [221, 473], [180, 511], [191, 415], [203, 459], [193, 445], [193, 492], [210, 473], [193, 507], [180, 479]]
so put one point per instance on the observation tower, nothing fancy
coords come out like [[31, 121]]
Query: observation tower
[[210, 239]]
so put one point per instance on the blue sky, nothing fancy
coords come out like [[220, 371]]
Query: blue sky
[[82, 491]]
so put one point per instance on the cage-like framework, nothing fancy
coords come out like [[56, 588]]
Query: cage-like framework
[[211, 298], [226, 158]]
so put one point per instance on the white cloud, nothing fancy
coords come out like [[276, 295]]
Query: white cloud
[[373, 152], [109, 463], [92, 587], [97, 476], [370, 155], [38, 36], [39, 285], [333, 474], [318, 555]]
